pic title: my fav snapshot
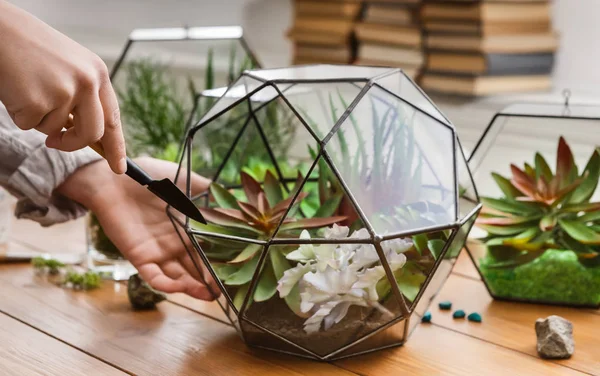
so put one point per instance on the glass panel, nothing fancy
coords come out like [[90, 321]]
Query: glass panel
[[461, 237], [320, 72], [233, 262], [538, 180], [397, 163], [391, 336], [257, 337], [323, 296], [323, 202], [433, 288], [404, 88], [239, 89], [290, 143], [322, 105], [467, 192], [218, 146], [419, 255]]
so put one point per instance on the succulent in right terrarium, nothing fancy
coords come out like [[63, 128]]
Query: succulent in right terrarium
[[545, 223]]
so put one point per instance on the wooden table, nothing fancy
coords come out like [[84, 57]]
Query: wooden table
[[45, 329]]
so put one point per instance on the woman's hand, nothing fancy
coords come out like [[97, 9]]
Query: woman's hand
[[45, 77], [136, 222]]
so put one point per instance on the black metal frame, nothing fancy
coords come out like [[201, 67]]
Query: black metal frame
[[374, 238], [185, 33], [506, 113]]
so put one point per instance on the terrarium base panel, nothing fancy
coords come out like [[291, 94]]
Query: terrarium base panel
[[275, 316], [557, 277]]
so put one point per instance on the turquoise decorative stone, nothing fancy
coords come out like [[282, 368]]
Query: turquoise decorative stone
[[459, 314], [446, 305], [426, 317], [475, 317]]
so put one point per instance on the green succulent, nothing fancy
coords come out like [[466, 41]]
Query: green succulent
[[256, 217], [543, 210]]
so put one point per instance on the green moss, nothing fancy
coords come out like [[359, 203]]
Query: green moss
[[556, 276]]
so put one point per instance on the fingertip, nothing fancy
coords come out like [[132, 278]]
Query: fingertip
[[120, 167]]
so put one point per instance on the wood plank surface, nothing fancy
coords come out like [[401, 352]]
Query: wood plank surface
[[188, 337], [433, 350], [26, 351], [168, 341], [511, 324]]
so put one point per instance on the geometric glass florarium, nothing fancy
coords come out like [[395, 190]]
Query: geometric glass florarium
[[336, 245], [538, 236]]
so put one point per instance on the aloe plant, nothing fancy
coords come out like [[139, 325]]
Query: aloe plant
[[256, 217], [543, 210]]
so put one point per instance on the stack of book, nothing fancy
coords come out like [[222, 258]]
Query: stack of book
[[389, 34], [483, 47], [322, 31]]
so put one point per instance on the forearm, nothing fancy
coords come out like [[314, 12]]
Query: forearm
[[32, 173]]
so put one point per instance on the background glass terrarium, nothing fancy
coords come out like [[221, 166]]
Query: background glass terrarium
[[538, 236], [160, 78], [326, 248]]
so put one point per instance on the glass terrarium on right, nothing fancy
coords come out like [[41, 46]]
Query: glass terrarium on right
[[537, 239]]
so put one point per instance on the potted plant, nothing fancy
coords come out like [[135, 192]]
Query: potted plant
[[330, 261], [543, 233], [537, 239]]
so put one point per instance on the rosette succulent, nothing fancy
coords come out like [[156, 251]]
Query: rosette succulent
[[256, 217], [543, 210]]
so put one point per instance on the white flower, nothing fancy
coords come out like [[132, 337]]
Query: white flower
[[305, 252], [396, 245], [336, 232], [290, 279], [333, 277]]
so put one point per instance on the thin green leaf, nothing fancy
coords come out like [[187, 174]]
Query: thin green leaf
[[410, 279], [542, 169], [506, 186], [587, 188], [589, 217], [505, 230], [521, 259], [267, 285], [240, 295], [330, 206], [308, 223], [223, 271], [513, 207], [247, 253], [223, 197], [576, 208], [222, 219], [436, 246], [209, 76], [420, 242], [272, 189], [580, 232], [278, 261], [244, 275], [507, 221]]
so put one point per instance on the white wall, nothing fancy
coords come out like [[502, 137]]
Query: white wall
[[104, 25]]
